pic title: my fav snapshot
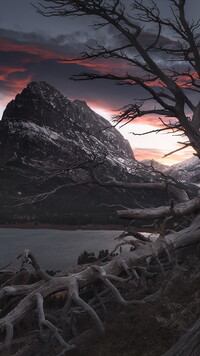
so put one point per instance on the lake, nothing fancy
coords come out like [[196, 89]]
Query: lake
[[54, 249]]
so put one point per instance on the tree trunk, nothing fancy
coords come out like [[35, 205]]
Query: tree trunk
[[189, 343], [180, 209]]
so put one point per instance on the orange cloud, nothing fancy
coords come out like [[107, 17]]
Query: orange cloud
[[116, 67], [149, 119], [21, 83], [18, 84], [181, 80], [8, 70], [148, 152], [103, 66], [36, 49], [102, 106]]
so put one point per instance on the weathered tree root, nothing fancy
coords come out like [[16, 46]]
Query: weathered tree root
[[8, 340], [130, 265], [179, 209], [43, 321], [189, 343]]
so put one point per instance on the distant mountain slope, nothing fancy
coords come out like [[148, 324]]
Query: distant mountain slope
[[186, 171], [156, 165]]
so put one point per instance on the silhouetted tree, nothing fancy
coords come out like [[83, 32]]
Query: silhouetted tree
[[85, 257], [164, 61]]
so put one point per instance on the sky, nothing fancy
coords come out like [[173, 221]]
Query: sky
[[32, 48]]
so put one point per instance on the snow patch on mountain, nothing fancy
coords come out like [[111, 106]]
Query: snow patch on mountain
[[186, 171]]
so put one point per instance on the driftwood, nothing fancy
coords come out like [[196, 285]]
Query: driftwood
[[32, 295], [154, 213], [188, 345]]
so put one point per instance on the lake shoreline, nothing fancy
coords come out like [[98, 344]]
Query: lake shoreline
[[54, 249], [37, 226]]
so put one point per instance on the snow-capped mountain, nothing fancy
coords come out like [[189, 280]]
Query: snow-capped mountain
[[48, 141], [186, 171], [44, 130], [41, 124]]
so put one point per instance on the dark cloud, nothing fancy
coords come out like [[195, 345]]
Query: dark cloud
[[16, 76], [22, 16], [34, 56], [31, 56], [35, 43]]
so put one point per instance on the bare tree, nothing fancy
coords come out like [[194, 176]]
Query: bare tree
[[166, 67]]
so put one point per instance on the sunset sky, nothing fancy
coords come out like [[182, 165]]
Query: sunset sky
[[32, 48]]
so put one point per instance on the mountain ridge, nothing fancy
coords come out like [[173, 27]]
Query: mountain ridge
[[187, 171]]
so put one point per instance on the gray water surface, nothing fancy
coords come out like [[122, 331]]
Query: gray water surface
[[54, 249]]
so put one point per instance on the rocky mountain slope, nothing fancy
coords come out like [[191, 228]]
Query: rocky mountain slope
[[41, 124], [187, 171], [156, 165], [48, 142]]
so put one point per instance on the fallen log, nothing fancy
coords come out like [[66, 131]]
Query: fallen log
[[188, 345], [33, 294], [180, 209]]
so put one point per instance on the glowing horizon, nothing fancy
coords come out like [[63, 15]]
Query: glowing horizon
[[152, 146]]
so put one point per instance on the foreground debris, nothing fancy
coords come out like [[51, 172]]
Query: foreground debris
[[89, 291]]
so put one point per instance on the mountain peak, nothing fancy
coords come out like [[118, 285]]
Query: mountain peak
[[42, 119], [46, 92], [40, 87], [36, 98]]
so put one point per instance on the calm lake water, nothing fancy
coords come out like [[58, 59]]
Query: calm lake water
[[54, 249]]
